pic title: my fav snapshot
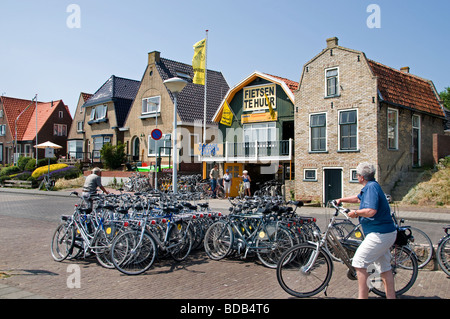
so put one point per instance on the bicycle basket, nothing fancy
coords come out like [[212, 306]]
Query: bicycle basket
[[403, 236]]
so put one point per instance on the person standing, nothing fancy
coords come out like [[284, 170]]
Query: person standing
[[379, 229], [246, 180], [214, 175], [227, 182]]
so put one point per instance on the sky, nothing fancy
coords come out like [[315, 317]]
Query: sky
[[56, 50]]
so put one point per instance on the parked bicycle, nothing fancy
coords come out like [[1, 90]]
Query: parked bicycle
[[306, 269], [443, 252]]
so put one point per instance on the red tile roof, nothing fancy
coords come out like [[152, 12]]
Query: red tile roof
[[406, 90], [292, 85], [26, 127]]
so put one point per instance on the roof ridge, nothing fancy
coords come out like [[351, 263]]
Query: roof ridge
[[399, 71]]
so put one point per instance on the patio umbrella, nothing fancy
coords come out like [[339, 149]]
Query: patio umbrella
[[46, 145]]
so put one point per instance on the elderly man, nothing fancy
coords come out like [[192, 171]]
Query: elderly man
[[90, 185]]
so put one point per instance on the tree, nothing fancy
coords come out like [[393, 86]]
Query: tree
[[113, 155], [445, 96]]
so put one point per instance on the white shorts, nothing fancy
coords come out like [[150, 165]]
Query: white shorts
[[246, 185], [375, 249], [227, 186]]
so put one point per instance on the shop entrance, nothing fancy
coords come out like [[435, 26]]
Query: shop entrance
[[235, 171]]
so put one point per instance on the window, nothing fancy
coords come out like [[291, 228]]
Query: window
[[310, 175], [99, 112], [165, 141], [353, 177], [331, 76], [261, 132], [318, 123], [151, 105], [61, 114], [348, 130], [392, 129], [99, 141], [59, 129], [80, 126], [75, 149], [3, 130]]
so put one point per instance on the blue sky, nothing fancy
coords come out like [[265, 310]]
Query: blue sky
[[40, 54]]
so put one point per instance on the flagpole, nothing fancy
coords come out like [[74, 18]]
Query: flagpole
[[206, 77]]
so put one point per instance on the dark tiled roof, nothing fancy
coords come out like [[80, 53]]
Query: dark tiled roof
[[190, 101], [406, 90], [120, 90]]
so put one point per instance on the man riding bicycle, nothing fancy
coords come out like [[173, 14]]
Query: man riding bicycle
[[90, 186]]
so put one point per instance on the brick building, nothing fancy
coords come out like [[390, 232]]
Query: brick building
[[351, 109]]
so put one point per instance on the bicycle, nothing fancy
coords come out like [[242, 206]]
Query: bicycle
[[258, 233], [84, 232], [443, 252], [306, 269]]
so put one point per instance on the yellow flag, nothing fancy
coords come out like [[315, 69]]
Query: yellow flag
[[227, 115], [199, 62], [272, 112]]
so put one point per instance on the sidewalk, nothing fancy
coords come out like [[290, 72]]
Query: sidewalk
[[416, 213]]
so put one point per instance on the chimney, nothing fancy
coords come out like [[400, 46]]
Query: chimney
[[153, 57], [332, 42], [405, 69]]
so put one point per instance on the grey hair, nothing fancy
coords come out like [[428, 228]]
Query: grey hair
[[96, 170], [366, 170]]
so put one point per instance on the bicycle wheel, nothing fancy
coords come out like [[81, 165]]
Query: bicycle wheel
[[443, 255], [62, 242], [272, 246], [405, 268], [218, 240], [180, 241], [292, 273], [421, 246], [130, 256]]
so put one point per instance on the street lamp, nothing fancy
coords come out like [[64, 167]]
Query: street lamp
[[175, 85]]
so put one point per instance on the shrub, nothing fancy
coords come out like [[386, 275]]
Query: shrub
[[30, 165], [44, 161], [9, 170], [22, 162], [113, 155], [44, 169]]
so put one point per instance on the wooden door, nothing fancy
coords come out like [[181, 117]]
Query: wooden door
[[235, 171]]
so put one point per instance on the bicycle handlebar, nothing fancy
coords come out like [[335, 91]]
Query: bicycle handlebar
[[340, 209]]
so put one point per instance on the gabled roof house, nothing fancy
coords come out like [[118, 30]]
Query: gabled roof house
[[25, 122]]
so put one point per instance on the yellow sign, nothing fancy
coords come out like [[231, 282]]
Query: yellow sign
[[258, 117], [271, 111], [227, 115], [199, 62], [255, 97]]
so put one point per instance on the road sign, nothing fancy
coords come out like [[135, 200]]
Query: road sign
[[156, 134]]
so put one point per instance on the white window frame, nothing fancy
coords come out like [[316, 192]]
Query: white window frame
[[165, 141], [352, 177], [80, 126], [337, 82], [99, 112], [250, 131], [154, 100], [3, 130], [310, 133], [339, 131], [314, 179], [395, 147]]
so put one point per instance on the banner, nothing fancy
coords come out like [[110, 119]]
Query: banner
[[199, 62], [271, 111], [227, 115]]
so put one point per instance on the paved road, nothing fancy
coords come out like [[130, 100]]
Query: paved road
[[27, 222]]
